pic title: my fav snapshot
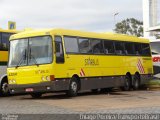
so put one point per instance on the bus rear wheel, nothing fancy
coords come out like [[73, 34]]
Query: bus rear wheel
[[136, 82], [73, 88], [127, 84]]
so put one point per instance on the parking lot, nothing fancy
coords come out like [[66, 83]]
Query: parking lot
[[144, 101]]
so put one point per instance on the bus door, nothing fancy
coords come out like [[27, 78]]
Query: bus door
[[59, 54], [59, 50]]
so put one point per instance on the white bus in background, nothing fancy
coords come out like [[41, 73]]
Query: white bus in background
[[155, 48]]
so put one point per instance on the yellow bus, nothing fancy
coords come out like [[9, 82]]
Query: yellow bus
[[52, 60], [4, 45]]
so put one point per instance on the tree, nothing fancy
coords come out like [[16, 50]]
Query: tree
[[130, 26]]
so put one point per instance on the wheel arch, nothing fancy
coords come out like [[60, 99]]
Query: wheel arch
[[137, 73], [3, 78], [129, 75], [139, 76]]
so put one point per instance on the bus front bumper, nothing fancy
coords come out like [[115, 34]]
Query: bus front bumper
[[43, 87]]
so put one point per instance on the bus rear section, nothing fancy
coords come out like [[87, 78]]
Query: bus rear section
[[69, 61]]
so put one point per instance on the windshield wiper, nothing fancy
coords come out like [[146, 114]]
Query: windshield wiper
[[31, 56], [23, 57]]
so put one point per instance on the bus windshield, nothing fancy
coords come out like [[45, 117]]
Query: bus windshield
[[30, 51]]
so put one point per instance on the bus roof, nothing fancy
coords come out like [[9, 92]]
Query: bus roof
[[109, 36], [8, 31]]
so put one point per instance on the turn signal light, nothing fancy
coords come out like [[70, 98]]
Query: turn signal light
[[51, 77]]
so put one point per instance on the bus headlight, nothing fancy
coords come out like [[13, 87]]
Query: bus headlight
[[48, 78], [43, 78], [12, 81]]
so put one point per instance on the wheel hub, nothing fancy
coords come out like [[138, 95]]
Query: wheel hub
[[74, 86]]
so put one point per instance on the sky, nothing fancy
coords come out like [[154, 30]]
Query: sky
[[88, 15]]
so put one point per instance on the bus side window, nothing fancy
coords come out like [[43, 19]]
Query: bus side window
[[138, 48], [119, 46], [59, 50], [5, 41], [97, 46]]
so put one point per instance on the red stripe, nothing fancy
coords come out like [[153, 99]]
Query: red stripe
[[82, 72], [138, 65], [142, 66]]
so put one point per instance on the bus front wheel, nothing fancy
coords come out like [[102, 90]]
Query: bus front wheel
[[73, 88], [4, 88]]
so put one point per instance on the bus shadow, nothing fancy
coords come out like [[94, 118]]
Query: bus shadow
[[56, 96]]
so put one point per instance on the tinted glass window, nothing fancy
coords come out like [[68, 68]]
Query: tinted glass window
[[108, 47], [119, 47], [59, 50], [71, 44], [129, 48], [97, 46], [138, 48], [146, 50], [84, 45], [4, 41]]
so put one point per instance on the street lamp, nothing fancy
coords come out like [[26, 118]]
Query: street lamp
[[115, 17]]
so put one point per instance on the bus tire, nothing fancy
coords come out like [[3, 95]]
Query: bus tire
[[127, 84], [4, 89], [73, 88], [136, 82], [36, 95]]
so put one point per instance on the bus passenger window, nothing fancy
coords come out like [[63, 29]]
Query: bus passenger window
[[129, 48], [119, 47], [137, 48], [108, 47], [71, 44], [146, 49], [97, 46], [59, 50], [84, 45]]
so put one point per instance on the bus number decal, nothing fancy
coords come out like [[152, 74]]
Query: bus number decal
[[12, 74], [41, 71], [91, 62]]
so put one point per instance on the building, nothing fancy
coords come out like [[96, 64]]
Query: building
[[151, 17]]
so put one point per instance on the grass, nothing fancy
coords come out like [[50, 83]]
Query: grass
[[155, 83]]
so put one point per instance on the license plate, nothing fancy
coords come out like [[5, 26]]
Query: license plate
[[29, 89]]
